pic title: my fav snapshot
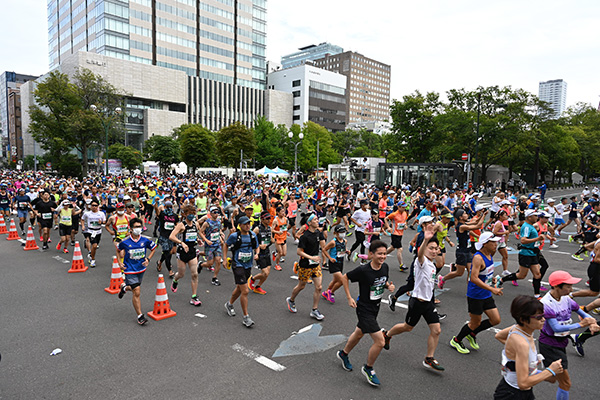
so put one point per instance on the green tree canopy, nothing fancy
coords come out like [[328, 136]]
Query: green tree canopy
[[270, 141], [130, 157], [165, 150], [307, 157], [231, 140], [197, 145]]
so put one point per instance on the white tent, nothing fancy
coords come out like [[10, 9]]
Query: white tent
[[265, 171], [280, 172]]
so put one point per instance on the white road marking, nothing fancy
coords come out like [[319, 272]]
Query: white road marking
[[397, 303], [258, 358], [559, 252], [62, 260]]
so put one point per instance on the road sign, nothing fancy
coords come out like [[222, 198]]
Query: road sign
[[48, 165], [465, 156]]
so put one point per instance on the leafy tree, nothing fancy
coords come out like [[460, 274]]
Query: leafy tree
[[370, 145], [345, 142], [130, 157], [231, 140], [62, 119], [197, 145], [307, 157], [165, 150], [584, 120], [270, 142]]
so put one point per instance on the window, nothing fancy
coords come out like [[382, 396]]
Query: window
[[296, 93], [296, 117], [296, 83], [296, 108]]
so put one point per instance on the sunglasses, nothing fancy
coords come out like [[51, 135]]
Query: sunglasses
[[539, 317]]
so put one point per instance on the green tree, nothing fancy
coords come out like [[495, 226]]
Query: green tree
[[165, 150], [345, 142], [585, 123], [62, 119], [130, 157], [270, 141], [370, 145], [231, 140], [197, 145], [307, 151]]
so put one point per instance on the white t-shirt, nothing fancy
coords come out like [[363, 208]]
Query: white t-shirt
[[362, 217], [93, 221], [560, 210], [424, 279]]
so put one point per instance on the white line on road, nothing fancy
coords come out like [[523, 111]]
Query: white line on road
[[397, 303], [559, 252], [258, 358], [62, 260]]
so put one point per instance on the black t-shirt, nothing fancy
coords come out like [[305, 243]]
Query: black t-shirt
[[593, 217], [371, 284], [45, 209], [310, 243], [167, 223]]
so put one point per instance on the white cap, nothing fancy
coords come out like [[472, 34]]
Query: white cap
[[503, 202], [551, 200], [484, 238], [529, 213], [479, 207], [424, 219]]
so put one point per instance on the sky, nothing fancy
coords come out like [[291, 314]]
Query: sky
[[432, 45]]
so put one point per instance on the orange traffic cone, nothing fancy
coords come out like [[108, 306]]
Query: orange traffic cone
[[12, 233], [116, 278], [30, 244], [3, 230], [77, 265], [162, 308]]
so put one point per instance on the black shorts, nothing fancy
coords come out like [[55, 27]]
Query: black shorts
[[463, 258], [340, 213], [263, 261], [472, 248], [478, 306], [75, 223], [511, 223], [291, 221], [506, 392], [589, 237], [64, 230], [493, 214], [418, 309], [336, 267], [241, 275], [184, 256], [442, 251], [134, 280], [397, 241], [528, 261], [227, 224], [45, 223], [367, 319], [552, 354], [594, 275], [93, 239]]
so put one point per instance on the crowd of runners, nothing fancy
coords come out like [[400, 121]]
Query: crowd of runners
[[213, 222]]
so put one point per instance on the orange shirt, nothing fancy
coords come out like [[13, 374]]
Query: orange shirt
[[398, 217], [280, 225]]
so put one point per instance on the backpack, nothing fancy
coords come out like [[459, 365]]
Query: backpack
[[238, 241]]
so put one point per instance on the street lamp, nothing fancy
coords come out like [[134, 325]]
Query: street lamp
[[300, 136], [109, 115]]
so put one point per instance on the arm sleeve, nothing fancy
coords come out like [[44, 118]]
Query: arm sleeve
[[557, 327]]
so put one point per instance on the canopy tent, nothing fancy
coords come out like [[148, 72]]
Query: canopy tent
[[265, 171], [281, 172]]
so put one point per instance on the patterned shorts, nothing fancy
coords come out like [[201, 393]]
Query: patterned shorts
[[212, 252], [304, 274]]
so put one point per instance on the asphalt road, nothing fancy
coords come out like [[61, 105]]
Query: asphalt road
[[107, 355]]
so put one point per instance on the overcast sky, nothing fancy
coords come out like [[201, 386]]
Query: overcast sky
[[432, 45]]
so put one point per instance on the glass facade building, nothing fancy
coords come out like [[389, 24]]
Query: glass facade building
[[397, 174]]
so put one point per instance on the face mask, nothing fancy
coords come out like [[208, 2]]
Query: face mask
[[191, 217], [120, 212], [137, 231]]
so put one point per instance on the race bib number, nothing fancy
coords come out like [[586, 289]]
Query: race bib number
[[46, 215], [95, 225], [191, 236], [137, 254], [169, 226], [376, 230], [311, 262], [122, 229], [294, 212], [376, 292], [322, 220], [245, 256], [65, 219], [22, 204], [215, 237], [284, 228], [400, 226]]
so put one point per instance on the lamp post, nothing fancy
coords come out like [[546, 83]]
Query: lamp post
[[109, 115], [300, 136]]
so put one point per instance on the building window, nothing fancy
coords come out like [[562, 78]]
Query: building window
[[296, 108], [296, 117], [296, 93], [296, 83]]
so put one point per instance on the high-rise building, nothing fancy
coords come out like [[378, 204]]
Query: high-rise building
[[318, 95], [310, 53], [219, 40], [555, 93], [367, 87]]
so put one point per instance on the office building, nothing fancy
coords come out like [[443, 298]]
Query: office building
[[10, 82], [218, 40], [309, 53], [554, 92], [318, 95], [367, 87]]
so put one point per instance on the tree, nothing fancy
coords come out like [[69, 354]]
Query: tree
[[370, 145], [165, 150], [130, 157], [584, 120], [231, 140], [270, 142], [307, 151], [197, 145], [62, 119], [345, 142]]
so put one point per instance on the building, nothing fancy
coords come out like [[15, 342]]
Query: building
[[10, 82], [309, 53], [318, 95], [218, 40], [378, 127], [555, 93], [367, 87]]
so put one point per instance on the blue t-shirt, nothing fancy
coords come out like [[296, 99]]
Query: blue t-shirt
[[528, 231], [135, 253], [423, 213], [486, 275], [243, 256]]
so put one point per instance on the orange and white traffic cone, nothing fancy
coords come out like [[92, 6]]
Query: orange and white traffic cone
[[162, 308], [12, 233], [30, 244], [77, 265], [3, 230], [116, 278]]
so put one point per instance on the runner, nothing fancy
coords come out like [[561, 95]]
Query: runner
[[117, 225], [500, 230], [22, 204], [335, 251], [133, 260], [5, 201], [265, 239], [372, 279], [167, 220], [397, 221], [480, 288], [441, 231], [44, 210], [65, 211], [212, 235], [280, 231], [591, 227], [360, 219]]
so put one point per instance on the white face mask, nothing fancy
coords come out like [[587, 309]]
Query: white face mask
[[137, 231], [120, 212]]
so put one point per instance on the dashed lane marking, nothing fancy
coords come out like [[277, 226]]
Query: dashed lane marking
[[258, 358]]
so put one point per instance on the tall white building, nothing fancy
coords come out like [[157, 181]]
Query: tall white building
[[555, 93]]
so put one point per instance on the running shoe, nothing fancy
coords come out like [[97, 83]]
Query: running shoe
[[351, 226], [195, 301], [349, 234], [291, 305], [215, 281], [517, 236], [432, 363], [247, 321], [459, 346], [543, 288], [296, 241], [316, 314], [412, 227], [122, 291], [387, 339], [515, 283], [278, 267], [557, 232], [354, 257], [538, 296], [440, 282], [89, 256], [472, 342], [251, 283], [587, 283], [596, 311], [403, 268], [554, 246], [174, 286], [58, 246], [365, 257], [369, 373], [576, 257], [577, 345], [570, 238], [92, 263], [229, 309], [506, 272], [392, 301], [142, 319], [441, 316], [259, 290], [72, 243], [65, 250], [586, 254], [282, 259], [228, 263], [345, 360]]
